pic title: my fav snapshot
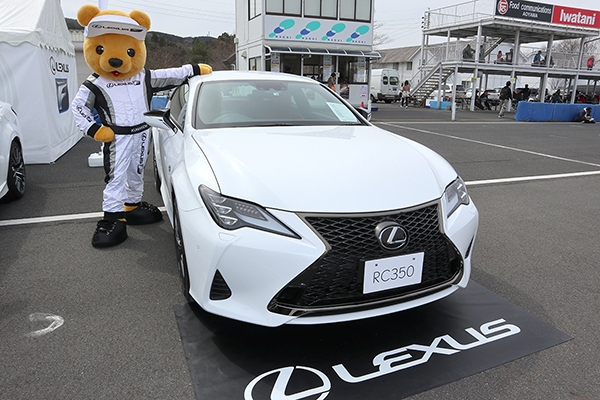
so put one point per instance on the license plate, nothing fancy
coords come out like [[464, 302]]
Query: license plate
[[393, 272]]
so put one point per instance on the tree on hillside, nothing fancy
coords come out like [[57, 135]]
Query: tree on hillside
[[199, 52], [220, 50], [166, 57]]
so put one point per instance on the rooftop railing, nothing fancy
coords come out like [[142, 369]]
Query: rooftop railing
[[468, 11]]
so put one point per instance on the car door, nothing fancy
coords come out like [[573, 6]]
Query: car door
[[170, 141]]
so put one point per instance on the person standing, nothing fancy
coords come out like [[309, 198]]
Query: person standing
[[590, 63], [556, 97], [405, 94], [331, 82], [468, 53], [509, 56], [525, 93], [506, 95], [537, 59]]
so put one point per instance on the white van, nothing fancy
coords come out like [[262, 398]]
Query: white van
[[385, 85]]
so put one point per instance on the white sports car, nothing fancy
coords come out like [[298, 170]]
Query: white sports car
[[289, 207], [12, 166]]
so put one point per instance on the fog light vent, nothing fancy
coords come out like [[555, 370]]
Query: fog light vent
[[219, 289]]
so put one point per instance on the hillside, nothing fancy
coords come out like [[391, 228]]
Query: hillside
[[166, 50]]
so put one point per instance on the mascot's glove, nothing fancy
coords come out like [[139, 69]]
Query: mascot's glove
[[104, 134], [205, 69]]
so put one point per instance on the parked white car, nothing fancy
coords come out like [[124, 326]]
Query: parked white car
[[288, 206], [12, 166]]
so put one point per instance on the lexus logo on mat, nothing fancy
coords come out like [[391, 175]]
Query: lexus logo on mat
[[284, 375], [385, 363], [391, 235]]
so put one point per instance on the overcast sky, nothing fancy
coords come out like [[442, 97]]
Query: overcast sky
[[400, 20]]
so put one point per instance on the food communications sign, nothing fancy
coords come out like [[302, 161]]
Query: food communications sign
[[548, 13], [524, 10]]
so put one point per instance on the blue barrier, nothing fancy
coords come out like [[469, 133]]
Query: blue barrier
[[544, 112], [444, 106]]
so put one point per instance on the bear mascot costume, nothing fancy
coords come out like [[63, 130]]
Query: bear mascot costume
[[120, 91]]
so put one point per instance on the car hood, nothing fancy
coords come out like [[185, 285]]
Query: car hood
[[324, 169]]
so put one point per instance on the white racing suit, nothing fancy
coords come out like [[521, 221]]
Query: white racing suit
[[121, 105]]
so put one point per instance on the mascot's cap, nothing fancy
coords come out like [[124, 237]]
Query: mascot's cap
[[115, 24]]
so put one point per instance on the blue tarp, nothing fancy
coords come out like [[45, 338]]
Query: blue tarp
[[444, 106], [542, 112], [159, 102]]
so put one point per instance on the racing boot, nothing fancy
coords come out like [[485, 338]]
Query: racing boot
[[110, 231], [142, 213]]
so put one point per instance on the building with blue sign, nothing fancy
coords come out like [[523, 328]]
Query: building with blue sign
[[314, 38]]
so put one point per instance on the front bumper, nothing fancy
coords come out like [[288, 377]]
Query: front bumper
[[275, 280]]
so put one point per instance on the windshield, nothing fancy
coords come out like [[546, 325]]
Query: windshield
[[268, 103]]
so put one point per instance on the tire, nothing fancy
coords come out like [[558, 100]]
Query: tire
[[373, 99], [15, 179], [180, 254]]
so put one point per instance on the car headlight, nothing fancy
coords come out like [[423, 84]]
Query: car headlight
[[233, 214], [456, 195]]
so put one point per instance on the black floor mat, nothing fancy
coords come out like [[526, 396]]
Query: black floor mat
[[389, 357]]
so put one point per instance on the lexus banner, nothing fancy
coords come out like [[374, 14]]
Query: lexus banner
[[548, 13]]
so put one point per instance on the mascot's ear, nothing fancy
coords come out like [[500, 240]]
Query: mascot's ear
[[86, 13], [141, 18]]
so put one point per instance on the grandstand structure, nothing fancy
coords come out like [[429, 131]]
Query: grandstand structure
[[486, 25]]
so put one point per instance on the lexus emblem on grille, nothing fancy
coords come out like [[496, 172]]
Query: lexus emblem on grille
[[391, 235]]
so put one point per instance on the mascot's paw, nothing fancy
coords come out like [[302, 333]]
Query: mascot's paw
[[109, 232], [142, 213], [104, 134], [205, 69]]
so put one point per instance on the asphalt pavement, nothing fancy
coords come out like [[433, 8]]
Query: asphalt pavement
[[82, 323]]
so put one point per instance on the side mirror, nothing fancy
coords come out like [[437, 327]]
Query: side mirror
[[364, 113], [160, 119]]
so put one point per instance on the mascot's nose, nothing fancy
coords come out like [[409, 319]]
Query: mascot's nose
[[115, 62]]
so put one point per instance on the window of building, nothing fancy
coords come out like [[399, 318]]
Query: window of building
[[409, 66], [254, 64], [320, 8], [356, 10], [254, 8], [314, 71], [351, 70], [288, 7]]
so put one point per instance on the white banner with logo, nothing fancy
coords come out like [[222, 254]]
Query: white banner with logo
[[278, 27]]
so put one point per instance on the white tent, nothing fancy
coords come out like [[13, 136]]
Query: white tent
[[38, 76]]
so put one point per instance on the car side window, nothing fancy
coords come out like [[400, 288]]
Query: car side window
[[179, 100]]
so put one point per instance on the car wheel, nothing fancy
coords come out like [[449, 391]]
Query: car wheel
[[157, 181], [16, 172], [373, 99], [180, 253]]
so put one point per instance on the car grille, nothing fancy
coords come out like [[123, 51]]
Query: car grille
[[334, 283]]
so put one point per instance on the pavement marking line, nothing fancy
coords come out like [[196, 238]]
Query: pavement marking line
[[56, 218], [530, 178], [494, 145], [486, 122]]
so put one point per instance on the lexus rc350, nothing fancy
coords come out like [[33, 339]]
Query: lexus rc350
[[289, 207]]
